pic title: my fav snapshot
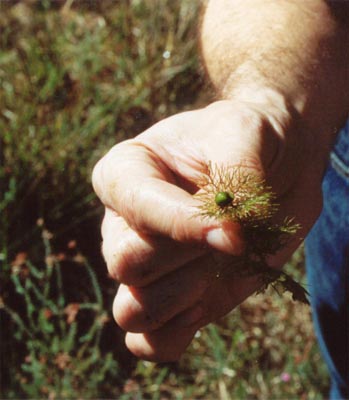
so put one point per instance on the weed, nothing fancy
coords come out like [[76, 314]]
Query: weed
[[61, 340], [232, 194]]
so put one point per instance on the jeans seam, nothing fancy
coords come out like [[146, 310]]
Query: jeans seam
[[339, 166]]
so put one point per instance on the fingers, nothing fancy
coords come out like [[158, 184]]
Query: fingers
[[144, 309], [171, 340], [209, 280], [136, 259], [164, 345], [133, 182], [136, 185]]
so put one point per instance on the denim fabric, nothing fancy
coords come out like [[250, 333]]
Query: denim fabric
[[327, 255]]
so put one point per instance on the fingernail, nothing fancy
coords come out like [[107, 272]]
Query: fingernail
[[190, 317], [219, 239]]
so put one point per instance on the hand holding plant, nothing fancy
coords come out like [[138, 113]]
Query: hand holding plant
[[165, 255]]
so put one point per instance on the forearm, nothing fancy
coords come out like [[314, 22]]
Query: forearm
[[297, 51]]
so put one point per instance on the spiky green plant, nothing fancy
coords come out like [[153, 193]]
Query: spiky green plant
[[230, 193]]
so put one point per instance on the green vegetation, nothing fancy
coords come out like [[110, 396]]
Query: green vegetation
[[231, 193], [61, 340], [75, 78]]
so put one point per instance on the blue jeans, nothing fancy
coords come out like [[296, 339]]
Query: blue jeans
[[327, 257]]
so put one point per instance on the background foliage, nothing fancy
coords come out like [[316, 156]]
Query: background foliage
[[75, 78]]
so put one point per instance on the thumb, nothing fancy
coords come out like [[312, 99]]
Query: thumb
[[135, 184]]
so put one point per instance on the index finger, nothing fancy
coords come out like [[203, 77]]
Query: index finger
[[136, 184]]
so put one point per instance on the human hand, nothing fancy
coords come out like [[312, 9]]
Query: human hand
[[167, 258]]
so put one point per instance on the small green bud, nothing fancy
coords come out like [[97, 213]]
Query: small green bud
[[230, 193], [223, 199]]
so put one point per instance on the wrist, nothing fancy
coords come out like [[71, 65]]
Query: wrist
[[289, 118], [269, 101], [284, 127], [294, 49]]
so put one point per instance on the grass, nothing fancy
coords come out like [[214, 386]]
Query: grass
[[61, 338], [265, 349], [75, 78]]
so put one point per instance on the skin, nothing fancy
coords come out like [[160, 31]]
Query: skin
[[282, 81]]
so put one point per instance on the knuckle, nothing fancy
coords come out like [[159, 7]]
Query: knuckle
[[132, 206], [182, 230], [104, 179], [96, 176], [106, 174], [133, 315], [124, 309], [130, 261], [110, 260], [155, 347]]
